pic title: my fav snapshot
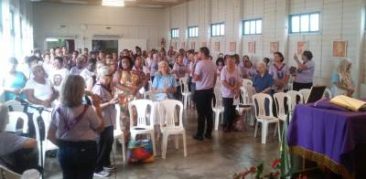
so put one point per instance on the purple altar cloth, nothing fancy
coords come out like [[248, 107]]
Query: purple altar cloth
[[328, 131]]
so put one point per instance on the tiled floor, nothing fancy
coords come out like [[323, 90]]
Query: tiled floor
[[218, 158]]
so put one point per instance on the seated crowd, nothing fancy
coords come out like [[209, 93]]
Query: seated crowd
[[60, 82]]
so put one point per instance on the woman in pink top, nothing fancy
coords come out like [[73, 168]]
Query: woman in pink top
[[230, 79], [74, 129]]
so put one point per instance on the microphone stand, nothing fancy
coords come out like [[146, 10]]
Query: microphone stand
[[39, 120]]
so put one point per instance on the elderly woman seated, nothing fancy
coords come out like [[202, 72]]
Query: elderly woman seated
[[164, 84], [16, 152], [39, 90], [262, 82]]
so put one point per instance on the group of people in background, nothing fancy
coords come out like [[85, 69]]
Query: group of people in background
[[83, 127]]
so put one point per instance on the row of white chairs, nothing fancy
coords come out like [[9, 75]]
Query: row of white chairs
[[249, 98], [169, 125]]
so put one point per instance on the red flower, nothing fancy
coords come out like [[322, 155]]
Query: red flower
[[253, 169], [276, 174], [276, 163]]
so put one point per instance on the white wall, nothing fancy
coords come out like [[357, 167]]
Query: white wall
[[83, 22], [19, 43], [339, 20]]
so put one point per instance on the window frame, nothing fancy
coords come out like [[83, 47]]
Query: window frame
[[252, 20], [309, 31], [12, 22], [192, 27], [171, 33], [215, 24]]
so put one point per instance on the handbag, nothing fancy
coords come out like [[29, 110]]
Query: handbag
[[140, 151]]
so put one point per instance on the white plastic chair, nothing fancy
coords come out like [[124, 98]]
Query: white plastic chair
[[247, 104], [247, 82], [296, 98], [259, 102], [305, 93], [169, 125], [144, 122], [185, 91], [6, 173], [47, 145], [148, 92], [118, 134], [14, 105], [328, 93], [14, 117], [218, 108], [280, 104]]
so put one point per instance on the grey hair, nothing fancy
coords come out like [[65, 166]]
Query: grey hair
[[72, 91], [4, 117], [103, 71], [262, 63]]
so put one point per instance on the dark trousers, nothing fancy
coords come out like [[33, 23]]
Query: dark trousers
[[77, 159], [229, 112], [178, 93], [299, 86], [105, 143], [203, 99]]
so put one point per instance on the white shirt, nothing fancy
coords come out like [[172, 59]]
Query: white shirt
[[41, 91], [57, 76]]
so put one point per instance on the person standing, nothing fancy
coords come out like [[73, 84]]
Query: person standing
[[103, 89], [342, 83], [205, 78], [230, 79], [304, 72], [279, 72], [74, 129]]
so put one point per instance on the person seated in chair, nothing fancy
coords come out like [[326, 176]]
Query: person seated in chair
[[263, 81], [17, 153]]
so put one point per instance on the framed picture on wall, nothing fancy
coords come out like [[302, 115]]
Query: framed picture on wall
[[232, 47], [301, 47], [339, 48], [183, 45], [193, 45], [251, 47], [274, 47], [217, 46]]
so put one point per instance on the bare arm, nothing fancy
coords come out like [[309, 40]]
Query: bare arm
[[29, 93], [29, 143], [52, 135]]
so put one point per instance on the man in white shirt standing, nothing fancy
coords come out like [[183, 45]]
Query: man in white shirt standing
[[205, 78]]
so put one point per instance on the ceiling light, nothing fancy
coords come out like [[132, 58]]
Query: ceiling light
[[115, 3]]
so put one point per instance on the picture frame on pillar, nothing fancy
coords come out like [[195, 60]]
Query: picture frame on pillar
[[203, 44], [301, 47], [251, 47], [232, 47], [183, 45], [340, 48], [274, 47], [193, 45], [217, 47]]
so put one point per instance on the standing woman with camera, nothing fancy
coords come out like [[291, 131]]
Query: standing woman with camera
[[74, 129]]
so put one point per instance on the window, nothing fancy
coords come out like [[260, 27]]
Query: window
[[308, 22], [193, 31], [252, 27], [217, 29], [21, 27], [1, 16], [175, 33], [12, 25]]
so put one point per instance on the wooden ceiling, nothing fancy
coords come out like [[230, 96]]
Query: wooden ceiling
[[128, 3]]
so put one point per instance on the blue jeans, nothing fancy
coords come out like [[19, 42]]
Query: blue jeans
[[77, 159]]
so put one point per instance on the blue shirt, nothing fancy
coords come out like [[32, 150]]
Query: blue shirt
[[160, 82], [14, 81], [261, 83]]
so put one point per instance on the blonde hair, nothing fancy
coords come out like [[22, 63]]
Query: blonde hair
[[344, 73], [4, 117], [72, 91]]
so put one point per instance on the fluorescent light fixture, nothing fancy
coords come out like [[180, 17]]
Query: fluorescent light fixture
[[114, 3], [51, 40]]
